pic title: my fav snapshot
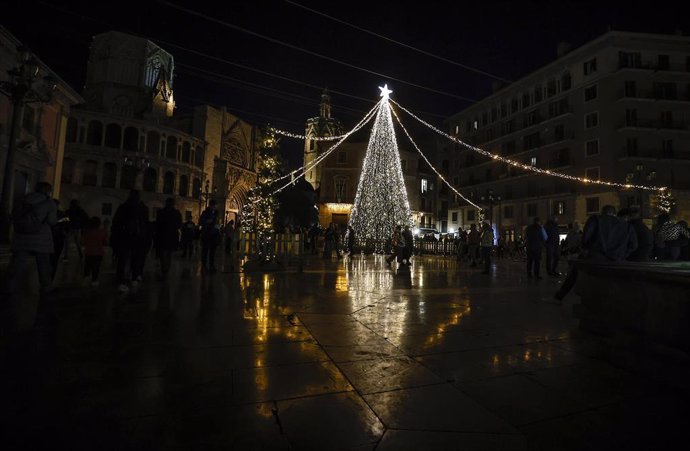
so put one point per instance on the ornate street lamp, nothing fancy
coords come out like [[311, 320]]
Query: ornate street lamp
[[492, 199], [23, 87]]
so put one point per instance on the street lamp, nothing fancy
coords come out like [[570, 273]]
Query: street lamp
[[492, 199], [207, 194], [20, 90]]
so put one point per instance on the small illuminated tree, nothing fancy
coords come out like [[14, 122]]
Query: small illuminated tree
[[258, 213], [665, 202]]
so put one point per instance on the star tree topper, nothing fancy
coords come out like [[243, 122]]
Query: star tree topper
[[385, 92]]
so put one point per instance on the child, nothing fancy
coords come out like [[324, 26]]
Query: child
[[94, 239]]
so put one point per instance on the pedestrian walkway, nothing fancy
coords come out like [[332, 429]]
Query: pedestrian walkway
[[347, 354]]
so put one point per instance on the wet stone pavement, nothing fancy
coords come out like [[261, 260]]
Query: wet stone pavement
[[348, 354]]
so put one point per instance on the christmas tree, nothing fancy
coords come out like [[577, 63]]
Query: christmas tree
[[665, 201], [259, 211], [381, 200]]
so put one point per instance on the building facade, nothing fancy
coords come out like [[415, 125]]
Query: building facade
[[126, 137], [615, 109], [42, 127]]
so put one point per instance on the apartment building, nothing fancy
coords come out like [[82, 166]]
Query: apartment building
[[615, 109]]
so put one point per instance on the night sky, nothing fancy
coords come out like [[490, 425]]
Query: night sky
[[505, 39]]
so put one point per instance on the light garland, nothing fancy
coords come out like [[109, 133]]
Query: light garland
[[312, 138], [305, 168], [381, 201], [527, 167], [397, 118]]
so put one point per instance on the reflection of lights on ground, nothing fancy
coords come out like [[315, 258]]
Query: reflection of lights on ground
[[443, 327]]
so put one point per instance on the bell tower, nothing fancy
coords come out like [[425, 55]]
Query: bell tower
[[319, 127]]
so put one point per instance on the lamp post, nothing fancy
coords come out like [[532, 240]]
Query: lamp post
[[20, 90], [207, 194], [492, 199]]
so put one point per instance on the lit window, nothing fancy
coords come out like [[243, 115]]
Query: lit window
[[425, 185], [533, 161]]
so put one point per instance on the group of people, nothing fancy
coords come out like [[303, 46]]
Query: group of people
[[476, 245], [402, 243], [44, 233]]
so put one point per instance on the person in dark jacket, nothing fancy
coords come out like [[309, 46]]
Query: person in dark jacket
[[210, 236], [128, 238], [552, 246], [78, 219], [187, 237], [606, 238], [409, 245], [645, 237], [536, 236], [36, 244], [60, 231], [167, 236]]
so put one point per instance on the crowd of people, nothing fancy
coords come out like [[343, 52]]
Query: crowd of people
[[45, 233]]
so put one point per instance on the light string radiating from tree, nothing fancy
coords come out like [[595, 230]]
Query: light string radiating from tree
[[305, 168], [528, 167], [414, 144], [381, 201]]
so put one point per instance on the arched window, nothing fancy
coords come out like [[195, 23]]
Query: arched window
[[196, 188], [186, 152], [109, 175], [184, 186], [153, 142], [150, 180], [128, 177], [94, 133], [113, 136], [67, 170], [168, 183], [171, 148], [199, 157], [131, 141], [72, 130], [90, 174]]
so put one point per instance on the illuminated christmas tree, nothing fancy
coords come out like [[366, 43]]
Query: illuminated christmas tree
[[259, 211], [665, 201], [381, 201]]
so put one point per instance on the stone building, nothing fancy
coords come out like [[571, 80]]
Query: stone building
[[41, 129], [615, 109], [336, 178], [125, 137]]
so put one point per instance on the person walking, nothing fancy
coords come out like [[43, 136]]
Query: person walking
[[128, 239], [461, 244], [350, 237], [535, 238], [487, 244], [329, 242], [552, 246], [473, 239], [409, 245], [395, 243], [187, 237], [33, 218], [209, 236], [167, 236], [59, 231], [94, 238], [606, 238], [78, 219]]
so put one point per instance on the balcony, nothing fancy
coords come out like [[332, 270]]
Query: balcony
[[654, 125], [627, 65], [655, 154], [652, 96]]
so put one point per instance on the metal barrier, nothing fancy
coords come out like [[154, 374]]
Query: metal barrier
[[288, 248], [441, 247]]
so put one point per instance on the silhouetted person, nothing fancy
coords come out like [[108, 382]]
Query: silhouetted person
[[409, 245], [535, 236], [573, 240], [128, 238], [329, 241], [33, 217], [210, 236], [473, 239], [94, 238], [189, 230], [645, 237], [487, 244], [59, 231], [668, 238], [350, 237], [168, 224], [552, 246], [78, 219]]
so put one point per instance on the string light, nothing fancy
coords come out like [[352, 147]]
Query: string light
[[527, 167], [381, 201], [397, 118], [306, 168]]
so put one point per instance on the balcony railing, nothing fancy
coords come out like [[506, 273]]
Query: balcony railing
[[655, 67], [657, 154], [651, 95]]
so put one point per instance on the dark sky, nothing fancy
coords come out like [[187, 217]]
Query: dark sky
[[507, 39]]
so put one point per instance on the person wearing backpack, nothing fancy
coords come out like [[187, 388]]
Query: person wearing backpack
[[127, 238], [33, 218]]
